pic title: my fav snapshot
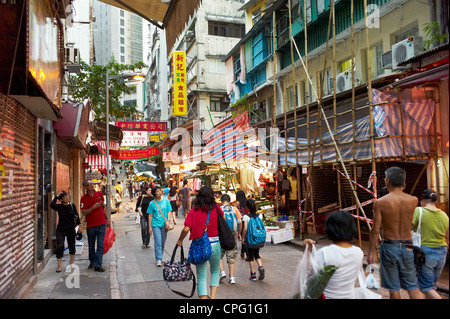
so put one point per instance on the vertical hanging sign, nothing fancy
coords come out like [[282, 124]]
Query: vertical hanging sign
[[179, 101]]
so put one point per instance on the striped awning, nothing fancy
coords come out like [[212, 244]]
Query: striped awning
[[98, 161], [112, 145]]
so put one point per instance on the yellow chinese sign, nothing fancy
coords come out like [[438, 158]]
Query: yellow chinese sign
[[179, 101], [154, 138]]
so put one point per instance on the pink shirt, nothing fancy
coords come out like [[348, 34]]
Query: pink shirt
[[196, 221]]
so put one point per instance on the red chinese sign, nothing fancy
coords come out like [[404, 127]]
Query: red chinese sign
[[142, 126], [134, 154]]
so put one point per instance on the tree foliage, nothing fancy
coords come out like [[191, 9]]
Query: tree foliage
[[90, 83]]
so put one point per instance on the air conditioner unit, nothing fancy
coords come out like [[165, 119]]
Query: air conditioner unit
[[343, 81], [72, 59], [405, 50], [386, 60]]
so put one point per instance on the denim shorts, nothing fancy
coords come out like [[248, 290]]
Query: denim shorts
[[429, 274], [397, 270]]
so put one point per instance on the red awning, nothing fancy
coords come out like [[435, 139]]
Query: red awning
[[98, 161]]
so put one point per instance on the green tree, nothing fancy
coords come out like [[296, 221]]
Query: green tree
[[90, 83]]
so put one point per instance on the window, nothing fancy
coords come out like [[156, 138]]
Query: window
[[320, 6], [122, 49], [375, 61], [122, 40], [256, 15], [308, 11], [291, 97], [217, 104], [122, 59], [122, 31], [344, 66], [412, 32], [122, 13], [216, 66], [225, 29], [122, 22]]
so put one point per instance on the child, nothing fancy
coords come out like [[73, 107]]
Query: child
[[234, 218], [253, 253]]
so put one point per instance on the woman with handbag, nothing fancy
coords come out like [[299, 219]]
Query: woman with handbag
[[340, 229], [434, 238], [205, 213], [158, 221], [68, 220], [141, 207]]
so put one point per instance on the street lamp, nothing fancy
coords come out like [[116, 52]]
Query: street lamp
[[131, 77]]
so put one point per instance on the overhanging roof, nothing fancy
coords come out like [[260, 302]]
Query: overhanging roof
[[153, 11]]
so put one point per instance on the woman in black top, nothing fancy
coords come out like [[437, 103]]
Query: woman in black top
[[141, 206], [68, 219]]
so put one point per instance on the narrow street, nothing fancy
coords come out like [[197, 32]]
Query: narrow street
[[138, 276]]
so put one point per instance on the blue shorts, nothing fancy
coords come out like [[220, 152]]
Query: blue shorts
[[397, 270], [430, 272]]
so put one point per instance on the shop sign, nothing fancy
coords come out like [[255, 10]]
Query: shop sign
[[134, 154], [154, 138], [142, 126], [131, 138], [175, 169], [179, 101], [166, 157]]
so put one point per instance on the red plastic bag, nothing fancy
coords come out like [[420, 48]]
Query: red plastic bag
[[110, 237]]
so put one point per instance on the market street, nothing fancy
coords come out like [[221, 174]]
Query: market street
[[131, 272]]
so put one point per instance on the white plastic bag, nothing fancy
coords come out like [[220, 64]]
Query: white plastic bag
[[305, 270], [371, 282], [138, 218], [362, 292]]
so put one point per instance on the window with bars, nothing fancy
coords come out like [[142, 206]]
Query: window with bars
[[226, 29]]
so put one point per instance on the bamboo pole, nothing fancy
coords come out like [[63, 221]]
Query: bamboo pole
[[357, 208], [334, 73], [353, 82], [369, 93], [334, 142], [294, 84], [274, 107]]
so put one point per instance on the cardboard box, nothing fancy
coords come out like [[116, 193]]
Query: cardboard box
[[282, 235], [290, 224]]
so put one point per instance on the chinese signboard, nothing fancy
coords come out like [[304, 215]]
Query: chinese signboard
[[154, 138], [135, 154], [179, 101], [142, 126], [131, 138]]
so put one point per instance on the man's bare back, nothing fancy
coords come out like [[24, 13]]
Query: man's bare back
[[396, 211]]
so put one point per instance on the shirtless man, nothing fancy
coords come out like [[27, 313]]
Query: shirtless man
[[394, 214]]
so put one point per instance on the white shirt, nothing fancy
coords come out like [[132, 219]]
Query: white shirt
[[349, 260]]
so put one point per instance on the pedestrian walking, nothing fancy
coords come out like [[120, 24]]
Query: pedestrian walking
[[67, 220], [130, 190], [173, 199], [241, 200], [92, 207], [157, 226], [394, 213], [117, 200], [141, 207], [340, 229], [194, 225], [185, 196], [253, 253], [434, 242], [233, 218]]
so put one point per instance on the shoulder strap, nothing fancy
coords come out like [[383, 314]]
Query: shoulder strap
[[420, 219], [165, 220]]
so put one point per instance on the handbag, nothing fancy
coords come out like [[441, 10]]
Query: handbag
[[362, 292], [416, 236], [419, 254], [178, 272], [200, 249], [226, 237], [169, 223]]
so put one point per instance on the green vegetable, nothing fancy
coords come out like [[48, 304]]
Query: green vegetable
[[318, 282]]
